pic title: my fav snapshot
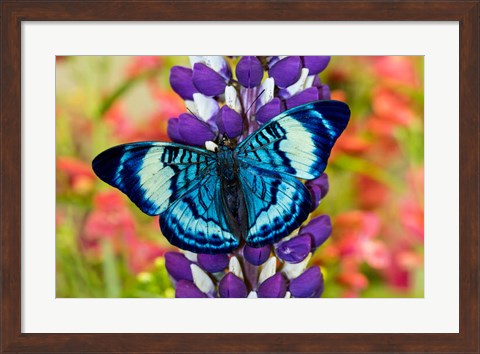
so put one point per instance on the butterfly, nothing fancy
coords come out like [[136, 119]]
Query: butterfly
[[209, 201]]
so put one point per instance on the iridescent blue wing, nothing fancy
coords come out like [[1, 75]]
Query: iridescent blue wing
[[295, 144], [298, 141], [276, 204], [176, 181], [152, 174], [197, 221]]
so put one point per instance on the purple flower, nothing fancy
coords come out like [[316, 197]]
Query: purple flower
[[318, 188], [229, 122], [213, 263], [186, 289], [193, 130], [249, 72], [275, 286], [308, 284], [286, 71], [232, 286], [256, 256], [181, 82], [319, 228], [315, 64], [294, 250], [269, 110], [207, 80], [178, 266], [305, 96]]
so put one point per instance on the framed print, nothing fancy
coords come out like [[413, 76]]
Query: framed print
[[217, 100]]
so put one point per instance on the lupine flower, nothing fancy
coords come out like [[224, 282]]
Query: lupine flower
[[218, 103], [235, 102]]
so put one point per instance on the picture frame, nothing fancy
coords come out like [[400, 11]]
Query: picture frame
[[13, 13]]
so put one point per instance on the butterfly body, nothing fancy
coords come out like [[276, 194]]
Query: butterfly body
[[208, 201]]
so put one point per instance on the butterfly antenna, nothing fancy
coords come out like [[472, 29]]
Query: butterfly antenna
[[255, 100]]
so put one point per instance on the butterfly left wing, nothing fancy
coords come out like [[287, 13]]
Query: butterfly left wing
[[197, 222], [176, 181], [276, 204], [298, 141], [153, 174]]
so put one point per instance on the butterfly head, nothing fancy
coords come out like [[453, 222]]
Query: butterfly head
[[226, 141]]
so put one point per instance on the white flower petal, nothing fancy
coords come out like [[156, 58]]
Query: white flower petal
[[210, 145], [231, 99], [288, 295], [300, 84], [207, 107], [292, 271], [191, 107], [190, 256], [216, 62], [235, 268], [202, 280], [309, 81], [269, 86], [252, 295], [196, 59], [268, 270]]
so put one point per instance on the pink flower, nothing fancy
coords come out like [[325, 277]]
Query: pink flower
[[109, 220], [396, 69]]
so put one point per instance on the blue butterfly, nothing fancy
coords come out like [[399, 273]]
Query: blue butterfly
[[208, 201]]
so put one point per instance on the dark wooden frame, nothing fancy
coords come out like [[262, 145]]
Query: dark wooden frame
[[14, 12]]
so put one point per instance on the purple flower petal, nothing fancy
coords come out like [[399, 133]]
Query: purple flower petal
[[256, 256], [181, 82], [294, 250], [318, 188], [308, 284], [232, 286], [275, 286], [172, 130], [286, 71], [186, 289], [178, 266], [193, 131], [269, 110], [306, 96], [320, 228], [229, 122], [207, 80], [249, 71], [324, 92], [316, 195], [315, 64], [213, 262]]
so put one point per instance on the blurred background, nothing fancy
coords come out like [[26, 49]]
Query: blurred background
[[106, 247]]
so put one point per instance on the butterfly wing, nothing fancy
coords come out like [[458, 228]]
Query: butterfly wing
[[295, 144], [176, 181], [197, 221], [298, 141], [276, 204]]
